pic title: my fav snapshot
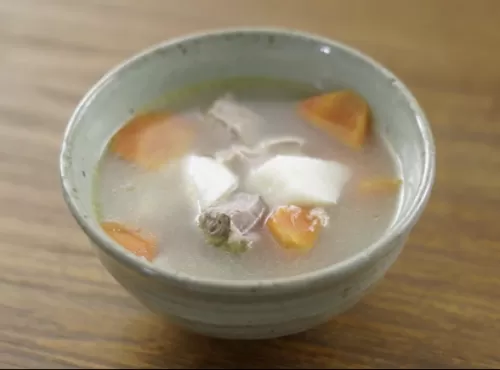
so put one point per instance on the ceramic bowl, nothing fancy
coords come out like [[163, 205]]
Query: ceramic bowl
[[248, 309]]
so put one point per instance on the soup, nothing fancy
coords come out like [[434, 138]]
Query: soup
[[248, 179]]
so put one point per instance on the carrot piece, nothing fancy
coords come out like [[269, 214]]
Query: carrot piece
[[343, 114], [294, 227], [380, 185], [131, 240], [152, 139]]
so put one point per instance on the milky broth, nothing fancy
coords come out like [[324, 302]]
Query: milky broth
[[157, 203]]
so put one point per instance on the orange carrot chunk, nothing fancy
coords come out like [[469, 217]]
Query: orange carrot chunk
[[380, 185], [152, 139], [131, 240], [294, 227], [343, 115]]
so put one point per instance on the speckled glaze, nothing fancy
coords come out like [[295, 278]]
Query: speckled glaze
[[248, 309]]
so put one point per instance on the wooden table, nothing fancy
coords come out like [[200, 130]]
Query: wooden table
[[439, 305]]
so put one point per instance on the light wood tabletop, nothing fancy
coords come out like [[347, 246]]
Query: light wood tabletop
[[438, 306]]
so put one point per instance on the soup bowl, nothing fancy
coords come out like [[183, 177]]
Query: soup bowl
[[248, 309]]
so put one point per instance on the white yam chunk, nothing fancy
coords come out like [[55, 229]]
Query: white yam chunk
[[298, 180], [207, 181]]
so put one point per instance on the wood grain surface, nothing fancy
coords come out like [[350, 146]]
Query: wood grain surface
[[439, 305]]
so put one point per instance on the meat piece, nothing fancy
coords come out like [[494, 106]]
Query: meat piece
[[245, 210], [240, 158], [236, 118], [216, 226], [230, 223], [282, 145]]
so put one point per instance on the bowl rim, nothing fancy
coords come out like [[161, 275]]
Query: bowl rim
[[376, 250]]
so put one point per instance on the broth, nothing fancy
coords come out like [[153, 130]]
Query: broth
[[157, 202]]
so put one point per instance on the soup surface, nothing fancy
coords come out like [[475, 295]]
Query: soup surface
[[240, 148]]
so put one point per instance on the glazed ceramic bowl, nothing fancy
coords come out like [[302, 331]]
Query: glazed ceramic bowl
[[248, 309]]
